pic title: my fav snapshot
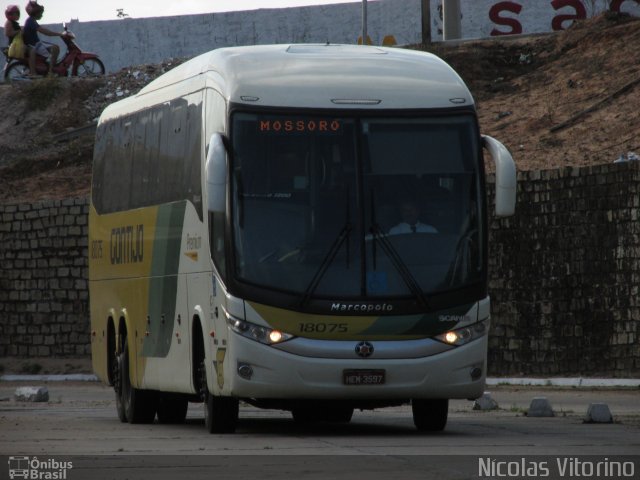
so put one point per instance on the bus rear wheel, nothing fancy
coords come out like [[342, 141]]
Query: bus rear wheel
[[117, 386], [430, 415], [135, 405], [220, 413]]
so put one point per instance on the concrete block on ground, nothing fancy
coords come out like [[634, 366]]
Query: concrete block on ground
[[485, 402], [540, 407], [599, 413], [32, 394]]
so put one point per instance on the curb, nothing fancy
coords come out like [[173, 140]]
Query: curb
[[74, 377], [566, 382], [493, 381]]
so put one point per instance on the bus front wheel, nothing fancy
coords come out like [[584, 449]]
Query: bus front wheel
[[430, 415], [220, 413]]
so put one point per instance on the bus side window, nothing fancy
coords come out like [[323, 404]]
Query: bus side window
[[117, 169], [216, 238], [141, 161], [102, 151], [192, 181]]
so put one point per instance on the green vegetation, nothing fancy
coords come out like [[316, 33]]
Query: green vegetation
[[515, 409], [31, 368]]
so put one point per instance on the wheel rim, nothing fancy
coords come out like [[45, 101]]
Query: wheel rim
[[89, 68], [16, 71]]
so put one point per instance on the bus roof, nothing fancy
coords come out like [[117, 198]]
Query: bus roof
[[322, 76]]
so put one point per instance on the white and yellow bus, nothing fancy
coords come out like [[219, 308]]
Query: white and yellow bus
[[251, 237]]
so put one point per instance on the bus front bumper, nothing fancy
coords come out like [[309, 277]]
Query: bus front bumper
[[254, 370]]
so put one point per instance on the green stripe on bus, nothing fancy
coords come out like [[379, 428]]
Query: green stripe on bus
[[163, 287]]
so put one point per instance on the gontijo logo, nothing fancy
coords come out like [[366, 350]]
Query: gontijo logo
[[33, 468]]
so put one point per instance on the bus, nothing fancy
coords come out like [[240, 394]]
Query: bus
[[246, 237]]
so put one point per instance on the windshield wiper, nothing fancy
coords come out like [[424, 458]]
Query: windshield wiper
[[343, 236], [394, 256], [462, 262]]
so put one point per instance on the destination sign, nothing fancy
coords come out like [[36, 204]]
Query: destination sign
[[299, 125]]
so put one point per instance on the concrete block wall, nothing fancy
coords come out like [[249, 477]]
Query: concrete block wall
[[565, 275], [43, 279]]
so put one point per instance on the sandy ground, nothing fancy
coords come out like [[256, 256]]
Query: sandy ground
[[80, 419]]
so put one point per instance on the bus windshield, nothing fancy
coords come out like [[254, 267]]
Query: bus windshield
[[358, 208]]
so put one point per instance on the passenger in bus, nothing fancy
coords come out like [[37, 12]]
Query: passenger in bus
[[410, 213]]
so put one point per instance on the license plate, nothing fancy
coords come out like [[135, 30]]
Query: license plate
[[363, 377]]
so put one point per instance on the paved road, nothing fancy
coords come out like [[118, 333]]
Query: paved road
[[80, 420]]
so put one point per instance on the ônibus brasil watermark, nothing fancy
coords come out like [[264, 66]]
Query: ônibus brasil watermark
[[33, 468]]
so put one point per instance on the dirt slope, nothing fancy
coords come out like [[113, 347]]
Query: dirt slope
[[563, 99], [575, 103]]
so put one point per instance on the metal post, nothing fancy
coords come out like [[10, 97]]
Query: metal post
[[452, 28], [364, 22], [426, 22]]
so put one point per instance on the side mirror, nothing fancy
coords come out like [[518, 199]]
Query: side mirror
[[216, 171], [505, 176]]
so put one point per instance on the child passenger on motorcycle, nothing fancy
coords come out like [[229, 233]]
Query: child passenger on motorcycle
[[30, 35], [11, 26]]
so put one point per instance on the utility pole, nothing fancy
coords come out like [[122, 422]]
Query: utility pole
[[364, 22], [426, 21], [452, 28]]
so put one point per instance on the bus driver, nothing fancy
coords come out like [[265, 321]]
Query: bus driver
[[410, 213]]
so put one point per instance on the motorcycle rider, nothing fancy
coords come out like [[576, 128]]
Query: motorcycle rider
[[30, 35]]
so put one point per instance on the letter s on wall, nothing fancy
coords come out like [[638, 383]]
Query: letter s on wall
[[494, 16]]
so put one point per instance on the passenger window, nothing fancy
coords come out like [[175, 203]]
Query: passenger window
[[216, 236]]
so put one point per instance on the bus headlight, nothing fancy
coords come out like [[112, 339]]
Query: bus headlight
[[268, 336], [464, 335]]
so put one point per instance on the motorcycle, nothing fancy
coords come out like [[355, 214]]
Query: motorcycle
[[75, 62]]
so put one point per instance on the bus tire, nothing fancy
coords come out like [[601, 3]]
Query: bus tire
[[117, 386], [172, 408], [139, 405], [430, 415], [220, 413]]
